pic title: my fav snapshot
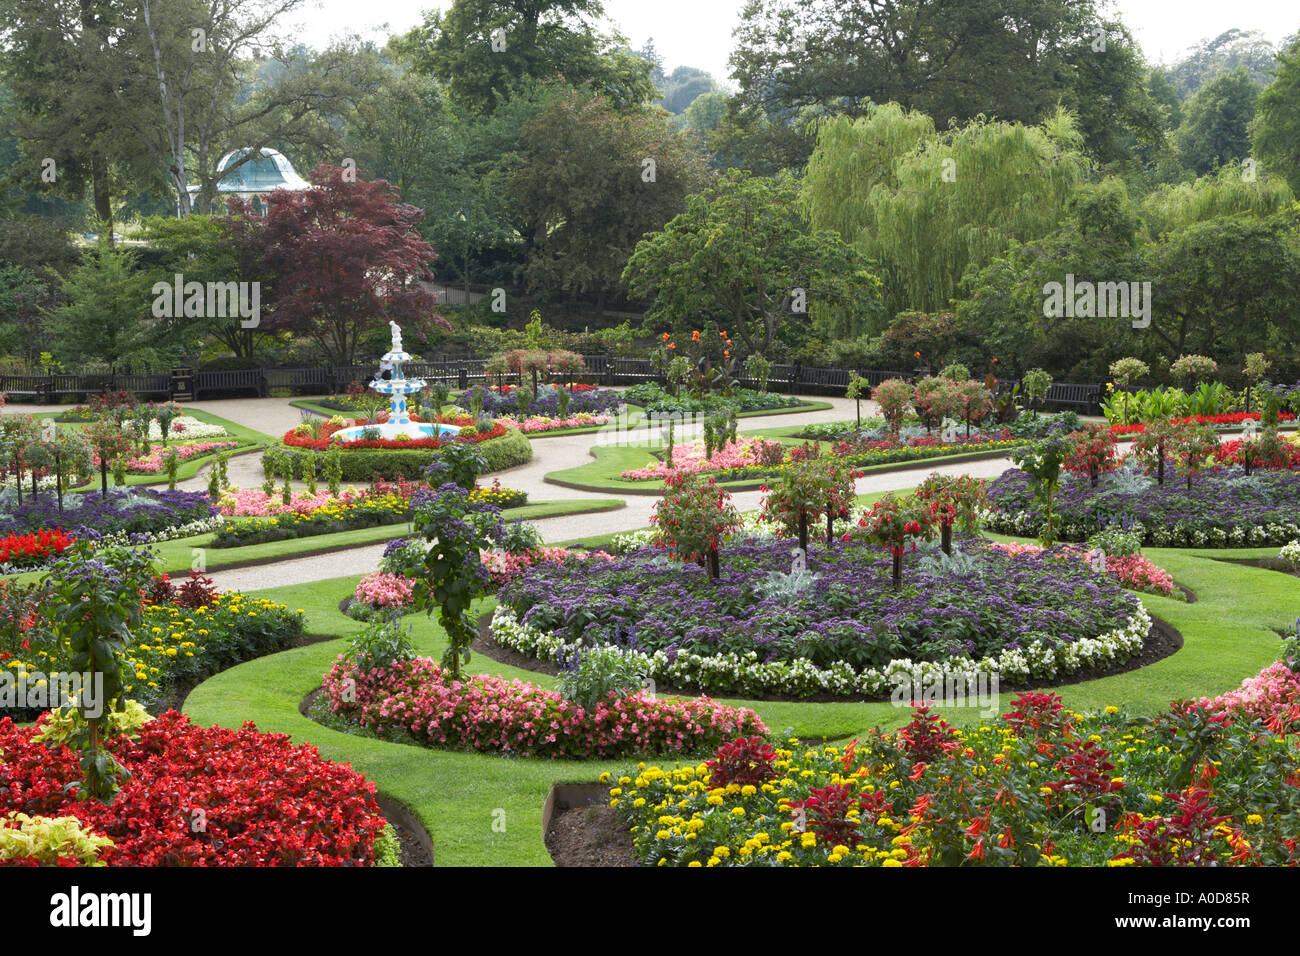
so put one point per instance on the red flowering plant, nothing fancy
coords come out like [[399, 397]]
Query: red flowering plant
[[322, 443], [937, 398], [806, 491], [895, 523], [743, 761], [200, 796], [692, 518], [28, 550], [894, 396], [1196, 447], [952, 500], [1158, 444], [1091, 451]]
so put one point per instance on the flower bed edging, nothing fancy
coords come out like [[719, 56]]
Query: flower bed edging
[[746, 674]]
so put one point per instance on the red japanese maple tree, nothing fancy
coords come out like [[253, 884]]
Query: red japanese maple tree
[[344, 257]]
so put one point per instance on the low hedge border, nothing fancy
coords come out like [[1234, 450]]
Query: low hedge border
[[508, 451]]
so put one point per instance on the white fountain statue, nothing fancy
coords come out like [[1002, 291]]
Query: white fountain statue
[[397, 387]]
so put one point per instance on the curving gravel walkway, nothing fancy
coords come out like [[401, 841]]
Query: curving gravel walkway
[[549, 454], [274, 416]]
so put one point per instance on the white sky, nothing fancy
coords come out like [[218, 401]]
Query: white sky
[[698, 32]]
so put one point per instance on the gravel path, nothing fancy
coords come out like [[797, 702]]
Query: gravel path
[[274, 416]]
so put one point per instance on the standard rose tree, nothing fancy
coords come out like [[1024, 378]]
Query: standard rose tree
[[952, 500], [692, 519], [894, 523]]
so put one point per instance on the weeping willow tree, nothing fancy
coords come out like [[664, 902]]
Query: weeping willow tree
[[1232, 191], [952, 200], [853, 156]]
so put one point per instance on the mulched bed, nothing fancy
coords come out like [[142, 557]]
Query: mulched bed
[[1163, 641], [589, 836]]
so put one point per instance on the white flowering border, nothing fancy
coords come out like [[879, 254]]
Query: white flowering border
[[746, 674], [1180, 534]]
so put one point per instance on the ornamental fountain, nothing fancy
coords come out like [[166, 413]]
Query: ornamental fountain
[[397, 387]]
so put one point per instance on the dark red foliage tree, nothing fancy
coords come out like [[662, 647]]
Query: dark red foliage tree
[[342, 258]]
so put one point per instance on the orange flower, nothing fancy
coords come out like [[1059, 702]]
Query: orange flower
[[666, 336], [916, 354], [672, 345], [695, 336], [726, 353]]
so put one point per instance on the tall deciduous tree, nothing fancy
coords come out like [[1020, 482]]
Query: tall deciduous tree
[[483, 49], [345, 257], [1275, 134], [64, 108], [1216, 122], [951, 59], [593, 181], [741, 256], [1228, 286], [954, 201]]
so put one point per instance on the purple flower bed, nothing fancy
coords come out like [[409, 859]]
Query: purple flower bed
[[132, 511], [850, 613], [598, 401], [1223, 508]]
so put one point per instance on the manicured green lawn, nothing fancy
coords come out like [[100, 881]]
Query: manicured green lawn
[[1230, 633]]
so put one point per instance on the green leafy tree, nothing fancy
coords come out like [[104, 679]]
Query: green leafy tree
[[483, 49], [1216, 122], [955, 201], [106, 316], [842, 56], [742, 258], [1275, 132], [594, 179], [1227, 286]]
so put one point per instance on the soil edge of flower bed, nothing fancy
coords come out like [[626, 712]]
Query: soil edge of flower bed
[[580, 829], [416, 843]]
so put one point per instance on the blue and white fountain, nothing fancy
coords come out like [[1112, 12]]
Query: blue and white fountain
[[397, 388]]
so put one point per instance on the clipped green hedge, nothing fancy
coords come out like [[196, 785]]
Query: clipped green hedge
[[362, 464]]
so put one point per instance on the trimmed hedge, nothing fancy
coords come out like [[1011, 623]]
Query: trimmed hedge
[[363, 464]]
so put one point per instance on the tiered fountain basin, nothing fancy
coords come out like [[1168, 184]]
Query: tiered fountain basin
[[399, 420], [389, 430]]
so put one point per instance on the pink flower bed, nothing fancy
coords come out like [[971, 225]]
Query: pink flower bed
[[255, 503], [152, 463], [503, 566], [539, 423], [495, 715], [1272, 695], [383, 590], [1133, 571], [689, 457]]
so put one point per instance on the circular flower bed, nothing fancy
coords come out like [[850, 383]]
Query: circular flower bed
[[1223, 508], [201, 796], [494, 715], [837, 627]]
